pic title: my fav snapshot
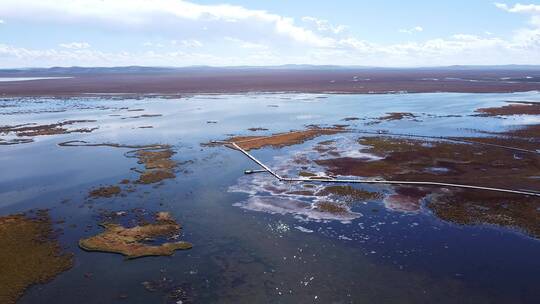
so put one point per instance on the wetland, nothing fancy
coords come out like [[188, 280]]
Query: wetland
[[100, 205]]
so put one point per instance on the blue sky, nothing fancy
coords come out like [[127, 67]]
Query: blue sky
[[242, 32]]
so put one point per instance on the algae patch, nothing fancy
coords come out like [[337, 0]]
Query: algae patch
[[29, 254], [131, 241]]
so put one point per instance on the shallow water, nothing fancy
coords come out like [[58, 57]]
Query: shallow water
[[279, 251], [12, 79]]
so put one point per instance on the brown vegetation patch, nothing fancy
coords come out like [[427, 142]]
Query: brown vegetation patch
[[81, 143], [144, 116], [333, 208], [15, 141], [522, 138], [257, 129], [30, 130], [514, 108], [29, 254], [130, 241], [302, 192], [326, 142], [306, 174], [160, 159], [451, 162], [412, 159], [108, 191], [280, 140], [350, 194], [530, 133], [394, 116], [477, 207], [155, 176], [158, 165]]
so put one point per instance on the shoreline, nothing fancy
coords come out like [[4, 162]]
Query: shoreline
[[240, 93]]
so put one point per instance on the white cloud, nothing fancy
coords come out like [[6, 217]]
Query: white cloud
[[2, 21], [150, 44], [458, 49], [526, 38], [75, 45], [520, 8], [245, 44], [530, 9], [322, 25], [412, 30], [12, 57], [173, 16], [193, 34], [190, 43]]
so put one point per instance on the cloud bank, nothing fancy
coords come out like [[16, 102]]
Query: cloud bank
[[196, 34]]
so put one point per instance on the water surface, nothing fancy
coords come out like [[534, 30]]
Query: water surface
[[249, 255]]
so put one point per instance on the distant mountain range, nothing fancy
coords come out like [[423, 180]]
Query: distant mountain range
[[54, 71]]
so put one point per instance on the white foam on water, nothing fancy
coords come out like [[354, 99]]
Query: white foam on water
[[267, 194], [303, 229], [280, 205]]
